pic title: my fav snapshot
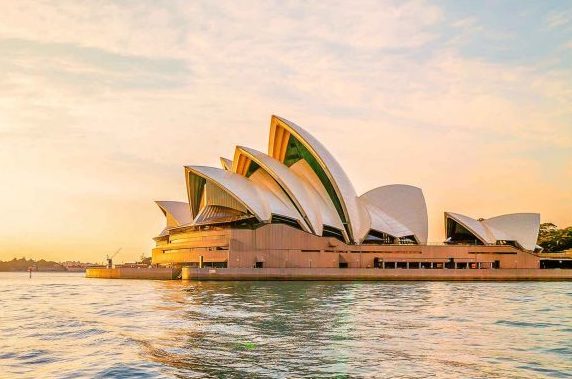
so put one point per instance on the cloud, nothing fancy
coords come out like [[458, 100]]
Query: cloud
[[122, 28], [559, 19], [103, 103]]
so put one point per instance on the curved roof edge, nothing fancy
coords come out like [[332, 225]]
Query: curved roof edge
[[355, 215], [226, 163], [237, 186], [403, 203], [178, 210], [291, 185], [325, 208], [472, 225], [520, 227]]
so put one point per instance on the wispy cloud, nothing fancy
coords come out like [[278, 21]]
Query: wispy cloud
[[559, 19], [101, 104]]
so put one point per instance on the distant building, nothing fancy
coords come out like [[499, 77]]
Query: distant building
[[296, 207]]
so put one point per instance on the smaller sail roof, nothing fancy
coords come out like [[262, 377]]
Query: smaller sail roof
[[521, 228], [237, 186], [177, 212], [259, 194], [401, 208], [472, 225]]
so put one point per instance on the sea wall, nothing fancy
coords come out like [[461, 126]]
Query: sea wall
[[192, 273], [160, 273]]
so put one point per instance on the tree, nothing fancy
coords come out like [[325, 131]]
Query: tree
[[553, 239]]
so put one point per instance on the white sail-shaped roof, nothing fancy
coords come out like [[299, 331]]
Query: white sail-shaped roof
[[300, 182], [237, 186], [276, 198], [306, 200], [177, 212], [400, 208], [343, 195], [258, 194], [382, 222], [521, 228], [327, 211], [474, 226]]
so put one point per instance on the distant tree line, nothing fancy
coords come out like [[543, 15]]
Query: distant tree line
[[23, 264], [553, 239]]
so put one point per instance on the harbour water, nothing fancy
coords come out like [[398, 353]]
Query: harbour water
[[66, 326]]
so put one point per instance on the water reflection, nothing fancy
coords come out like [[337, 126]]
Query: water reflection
[[69, 326]]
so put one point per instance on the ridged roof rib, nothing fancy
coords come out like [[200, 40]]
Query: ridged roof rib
[[344, 197], [521, 228]]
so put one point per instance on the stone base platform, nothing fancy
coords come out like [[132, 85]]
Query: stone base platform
[[192, 273], [161, 273]]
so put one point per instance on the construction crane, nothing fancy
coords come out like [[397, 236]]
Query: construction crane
[[110, 259]]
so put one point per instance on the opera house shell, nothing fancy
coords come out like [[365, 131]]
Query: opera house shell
[[294, 206]]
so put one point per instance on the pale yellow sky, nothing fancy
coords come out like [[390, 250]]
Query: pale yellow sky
[[103, 103]]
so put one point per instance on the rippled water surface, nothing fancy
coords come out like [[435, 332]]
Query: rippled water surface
[[67, 326]]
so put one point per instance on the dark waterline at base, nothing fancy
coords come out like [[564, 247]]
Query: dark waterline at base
[[67, 326]]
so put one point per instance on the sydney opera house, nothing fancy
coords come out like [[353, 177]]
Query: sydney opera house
[[295, 207]]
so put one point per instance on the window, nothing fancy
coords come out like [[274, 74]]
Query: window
[[285, 220], [259, 265], [333, 232], [377, 237], [252, 167], [215, 264], [407, 240], [450, 264]]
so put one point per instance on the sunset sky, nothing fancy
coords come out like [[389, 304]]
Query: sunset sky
[[103, 103]]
